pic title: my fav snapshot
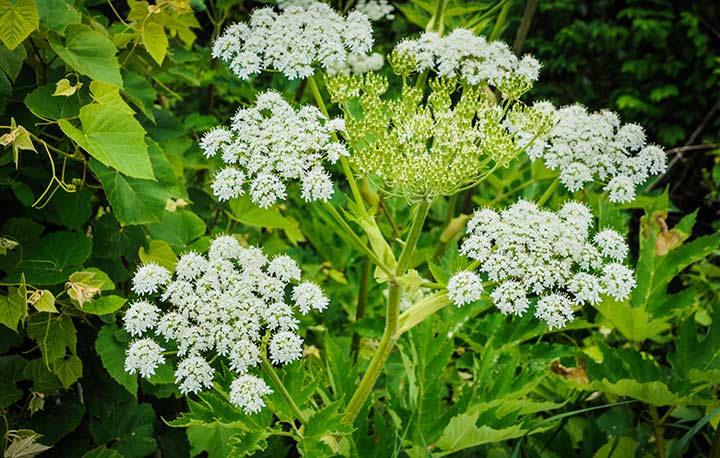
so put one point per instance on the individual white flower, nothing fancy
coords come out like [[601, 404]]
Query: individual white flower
[[247, 392], [194, 374], [225, 247], [190, 266], [510, 297], [655, 158], [140, 317], [618, 280], [586, 287], [228, 183], [149, 277], [285, 347], [336, 125], [555, 309], [215, 140], [244, 355], [317, 185], [285, 268], [143, 356], [170, 324], [293, 41], [358, 64], [621, 189], [612, 244], [307, 295], [376, 10], [575, 175], [532, 252], [464, 287]]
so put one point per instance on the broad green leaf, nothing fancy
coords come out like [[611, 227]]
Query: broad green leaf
[[462, 433], [111, 345], [83, 286], [104, 305], [45, 422], [11, 371], [159, 253], [43, 301], [618, 447], [41, 103], [102, 452], [321, 430], [112, 240], [89, 52], [113, 136], [53, 334], [178, 229], [155, 41], [655, 393], [52, 259], [57, 15], [13, 308], [12, 61], [68, 370], [244, 211], [134, 201], [139, 92], [634, 323], [17, 20], [129, 428], [43, 380]]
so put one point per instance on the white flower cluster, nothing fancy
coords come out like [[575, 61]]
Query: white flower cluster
[[586, 146], [376, 10], [473, 59], [269, 144], [222, 304], [293, 41], [358, 64], [528, 252]]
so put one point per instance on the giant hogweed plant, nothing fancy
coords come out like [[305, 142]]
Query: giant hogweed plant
[[454, 321], [456, 121]]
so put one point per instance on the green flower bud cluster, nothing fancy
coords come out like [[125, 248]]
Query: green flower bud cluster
[[424, 148]]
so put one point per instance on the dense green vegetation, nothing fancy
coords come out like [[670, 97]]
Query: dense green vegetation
[[102, 108]]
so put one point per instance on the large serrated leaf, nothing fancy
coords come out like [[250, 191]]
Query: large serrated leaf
[[89, 52]]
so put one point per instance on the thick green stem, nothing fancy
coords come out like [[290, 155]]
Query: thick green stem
[[360, 310], [392, 319], [548, 192], [359, 244], [500, 22], [312, 84], [270, 370], [659, 432]]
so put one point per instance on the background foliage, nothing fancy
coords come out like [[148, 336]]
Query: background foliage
[[102, 104]]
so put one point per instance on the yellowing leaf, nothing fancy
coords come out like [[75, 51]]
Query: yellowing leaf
[[43, 301], [17, 21], [83, 286], [63, 88], [155, 41]]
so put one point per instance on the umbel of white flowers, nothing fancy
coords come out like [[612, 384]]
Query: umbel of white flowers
[[271, 143], [224, 304], [294, 40], [530, 252], [592, 146], [470, 58]]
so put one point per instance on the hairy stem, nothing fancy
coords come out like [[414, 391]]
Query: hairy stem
[[659, 430], [392, 319], [360, 310]]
